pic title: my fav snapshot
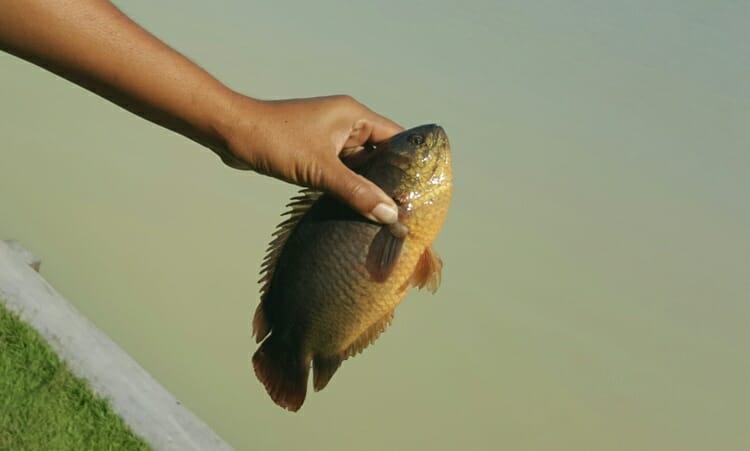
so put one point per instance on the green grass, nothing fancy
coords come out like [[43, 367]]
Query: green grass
[[43, 406]]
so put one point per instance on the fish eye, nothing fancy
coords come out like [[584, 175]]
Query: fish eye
[[416, 139]]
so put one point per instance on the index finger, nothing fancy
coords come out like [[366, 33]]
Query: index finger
[[382, 128]]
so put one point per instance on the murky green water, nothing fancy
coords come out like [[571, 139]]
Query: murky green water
[[596, 293]]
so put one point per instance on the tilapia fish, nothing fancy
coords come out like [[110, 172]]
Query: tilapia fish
[[332, 278]]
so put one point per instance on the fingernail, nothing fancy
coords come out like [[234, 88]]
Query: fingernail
[[387, 214]]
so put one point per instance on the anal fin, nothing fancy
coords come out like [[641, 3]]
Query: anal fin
[[367, 337], [323, 370], [324, 367]]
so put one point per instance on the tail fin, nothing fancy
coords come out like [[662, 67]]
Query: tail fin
[[282, 372]]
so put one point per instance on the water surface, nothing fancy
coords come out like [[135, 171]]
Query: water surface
[[596, 292]]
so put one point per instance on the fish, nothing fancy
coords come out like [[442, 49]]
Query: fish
[[332, 279]]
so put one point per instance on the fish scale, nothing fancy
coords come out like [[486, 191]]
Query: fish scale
[[332, 278]]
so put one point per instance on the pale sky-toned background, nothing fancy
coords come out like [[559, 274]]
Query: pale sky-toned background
[[596, 293]]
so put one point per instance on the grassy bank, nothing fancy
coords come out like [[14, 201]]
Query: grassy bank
[[43, 406]]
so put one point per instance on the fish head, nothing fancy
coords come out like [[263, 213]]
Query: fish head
[[413, 166]]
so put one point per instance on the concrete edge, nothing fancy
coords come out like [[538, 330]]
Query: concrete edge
[[146, 407], [24, 254]]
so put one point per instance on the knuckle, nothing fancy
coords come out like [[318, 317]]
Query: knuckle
[[315, 175], [346, 99]]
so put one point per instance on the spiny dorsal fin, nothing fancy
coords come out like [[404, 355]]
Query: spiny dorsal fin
[[298, 206]]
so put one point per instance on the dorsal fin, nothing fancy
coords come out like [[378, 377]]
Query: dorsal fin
[[297, 207]]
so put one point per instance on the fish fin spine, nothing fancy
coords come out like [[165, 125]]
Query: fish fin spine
[[283, 373], [298, 207], [369, 336], [325, 367]]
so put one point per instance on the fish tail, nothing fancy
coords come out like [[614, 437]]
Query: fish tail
[[283, 372]]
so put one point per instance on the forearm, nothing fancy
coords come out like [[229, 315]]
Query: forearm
[[91, 43]]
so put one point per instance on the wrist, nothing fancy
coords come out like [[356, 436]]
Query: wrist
[[230, 112], [215, 121], [234, 124]]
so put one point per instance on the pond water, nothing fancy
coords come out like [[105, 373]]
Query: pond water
[[596, 290]]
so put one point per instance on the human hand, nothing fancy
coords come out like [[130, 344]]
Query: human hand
[[301, 141]]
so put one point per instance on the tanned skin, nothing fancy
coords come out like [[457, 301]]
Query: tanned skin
[[93, 44]]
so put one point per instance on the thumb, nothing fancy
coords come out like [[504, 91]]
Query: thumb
[[359, 193]]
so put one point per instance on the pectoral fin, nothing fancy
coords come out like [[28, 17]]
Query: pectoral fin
[[384, 251]]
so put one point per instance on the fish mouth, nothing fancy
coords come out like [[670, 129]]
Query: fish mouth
[[441, 146], [429, 130], [439, 137], [442, 137]]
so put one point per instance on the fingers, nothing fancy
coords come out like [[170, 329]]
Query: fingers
[[383, 128], [365, 130], [371, 128], [359, 134], [359, 193], [303, 141]]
